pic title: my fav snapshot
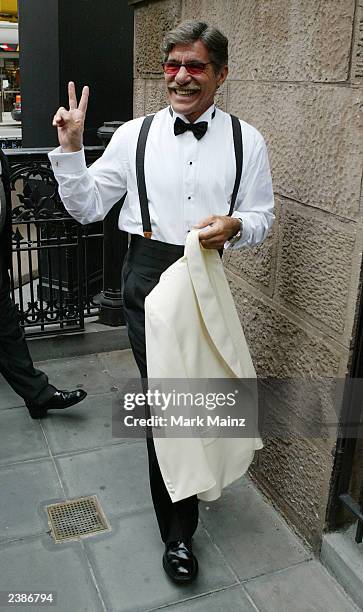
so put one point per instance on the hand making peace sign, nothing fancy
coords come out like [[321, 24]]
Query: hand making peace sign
[[70, 123]]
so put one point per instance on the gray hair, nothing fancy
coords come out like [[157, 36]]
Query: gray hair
[[191, 31]]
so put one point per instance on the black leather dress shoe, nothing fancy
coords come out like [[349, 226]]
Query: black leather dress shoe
[[58, 401], [179, 562]]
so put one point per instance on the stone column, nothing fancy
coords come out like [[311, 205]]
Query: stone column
[[89, 43]]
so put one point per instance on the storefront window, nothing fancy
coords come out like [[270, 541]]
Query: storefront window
[[10, 82]]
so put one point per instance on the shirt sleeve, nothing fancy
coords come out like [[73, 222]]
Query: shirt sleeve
[[88, 194], [255, 199]]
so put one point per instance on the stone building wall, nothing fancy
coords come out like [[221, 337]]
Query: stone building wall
[[295, 73]]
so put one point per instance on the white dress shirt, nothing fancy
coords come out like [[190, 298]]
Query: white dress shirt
[[186, 179]]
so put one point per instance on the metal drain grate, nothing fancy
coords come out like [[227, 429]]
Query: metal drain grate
[[76, 518]]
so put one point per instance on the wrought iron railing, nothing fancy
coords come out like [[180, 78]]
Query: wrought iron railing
[[57, 265]]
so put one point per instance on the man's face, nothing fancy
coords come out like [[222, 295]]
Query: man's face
[[192, 95]]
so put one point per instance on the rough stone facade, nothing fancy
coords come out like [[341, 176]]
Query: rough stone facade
[[295, 73]]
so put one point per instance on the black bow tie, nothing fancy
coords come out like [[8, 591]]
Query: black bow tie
[[198, 129]]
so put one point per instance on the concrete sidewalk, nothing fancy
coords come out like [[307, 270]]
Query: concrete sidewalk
[[249, 559]]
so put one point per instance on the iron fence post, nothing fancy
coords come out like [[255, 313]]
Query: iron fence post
[[115, 245]]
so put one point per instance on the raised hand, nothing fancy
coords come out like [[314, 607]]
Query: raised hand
[[70, 123]]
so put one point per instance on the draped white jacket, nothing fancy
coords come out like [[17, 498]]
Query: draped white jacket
[[193, 332]]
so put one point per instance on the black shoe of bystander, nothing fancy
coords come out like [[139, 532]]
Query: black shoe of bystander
[[58, 401]]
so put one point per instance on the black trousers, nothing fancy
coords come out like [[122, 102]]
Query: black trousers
[[16, 364], [145, 261]]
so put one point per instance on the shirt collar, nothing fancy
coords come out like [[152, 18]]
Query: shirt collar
[[208, 115]]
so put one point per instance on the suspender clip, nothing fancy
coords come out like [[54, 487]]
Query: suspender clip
[[147, 234]]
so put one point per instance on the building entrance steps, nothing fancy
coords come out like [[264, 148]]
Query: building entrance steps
[[249, 558], [344, 558]]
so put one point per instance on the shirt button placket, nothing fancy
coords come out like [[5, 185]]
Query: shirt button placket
[[190, 184]]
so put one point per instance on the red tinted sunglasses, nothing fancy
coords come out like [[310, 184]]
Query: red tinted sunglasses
[[193, 68]]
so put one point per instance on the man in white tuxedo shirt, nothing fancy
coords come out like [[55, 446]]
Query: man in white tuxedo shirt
[[187, 177]]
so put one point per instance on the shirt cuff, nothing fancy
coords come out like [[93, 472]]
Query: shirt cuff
[[67, 163]]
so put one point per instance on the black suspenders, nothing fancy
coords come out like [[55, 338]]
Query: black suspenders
[[140, 175], [238, 151], [140, 169]]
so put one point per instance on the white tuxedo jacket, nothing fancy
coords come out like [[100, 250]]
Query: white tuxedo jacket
[[193, 332]]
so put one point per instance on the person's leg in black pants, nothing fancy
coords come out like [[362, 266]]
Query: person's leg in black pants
[[16, 364], [179, 520]]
